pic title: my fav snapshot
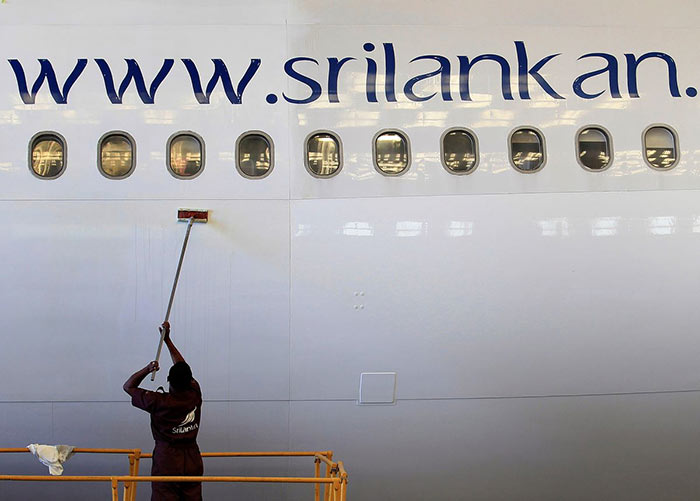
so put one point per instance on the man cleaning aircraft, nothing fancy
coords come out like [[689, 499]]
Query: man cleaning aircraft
[[175, 418]]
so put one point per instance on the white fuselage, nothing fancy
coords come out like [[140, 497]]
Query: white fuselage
[[541, 326]]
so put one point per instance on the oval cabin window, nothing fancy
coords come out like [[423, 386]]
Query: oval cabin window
[[323, 154], [116, 158], [47, 159], [254, 155], [185, 155], [594, 149], [391, 153], [460, 153], [527, 152], [660, 148]]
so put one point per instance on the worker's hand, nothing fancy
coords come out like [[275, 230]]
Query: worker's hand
[[164, 329], [152, 367]]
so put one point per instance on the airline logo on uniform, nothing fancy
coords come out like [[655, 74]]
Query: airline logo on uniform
[[186, 425]]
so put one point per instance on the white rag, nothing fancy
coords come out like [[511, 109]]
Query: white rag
[[52, 456]]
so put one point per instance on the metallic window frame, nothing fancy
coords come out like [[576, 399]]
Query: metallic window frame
[[609, 137], [306, 153], [167, 153], [272, 153], [131, 140], [55, 135], [510, 148], [476, 150], [676, 145], [408, 152]]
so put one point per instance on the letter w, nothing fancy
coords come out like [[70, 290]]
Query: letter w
[[220, 73], [133, 72], [46, 73]]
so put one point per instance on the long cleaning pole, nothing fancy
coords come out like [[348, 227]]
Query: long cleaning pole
[[172, 293]]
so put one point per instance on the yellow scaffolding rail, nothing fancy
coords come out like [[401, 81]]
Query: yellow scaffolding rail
[[334, 482]]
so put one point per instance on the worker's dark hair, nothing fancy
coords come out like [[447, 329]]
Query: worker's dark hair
[[180, 376]]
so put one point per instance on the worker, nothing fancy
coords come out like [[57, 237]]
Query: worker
[[175, 418]]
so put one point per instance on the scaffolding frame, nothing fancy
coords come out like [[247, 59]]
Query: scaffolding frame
[[334, 481]]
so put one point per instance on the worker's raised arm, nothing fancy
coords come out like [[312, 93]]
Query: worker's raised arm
[[135, 379], [174, 353]]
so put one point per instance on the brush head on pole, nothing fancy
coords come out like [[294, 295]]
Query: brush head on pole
[[197, 215]]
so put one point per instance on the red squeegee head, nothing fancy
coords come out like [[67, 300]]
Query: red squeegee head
[[197, 215]]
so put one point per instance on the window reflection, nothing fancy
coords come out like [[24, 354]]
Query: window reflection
[[254, 156], [527, 150], [185, 155], [409, 228], [605, 226], [391, 153], [556, 227], [662, 225], [48, 156], [303, 230], [116, 156], [594, 150], [459, 152], [323, 154], [460, 228], [660, 147], [358, 229]]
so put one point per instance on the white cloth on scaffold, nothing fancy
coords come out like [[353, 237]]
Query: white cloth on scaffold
[[52, 456]]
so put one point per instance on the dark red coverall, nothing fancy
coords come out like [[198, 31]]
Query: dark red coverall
[[174, 423]]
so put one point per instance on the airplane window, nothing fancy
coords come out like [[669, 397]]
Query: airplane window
[[254, 155], [593, 148], [116, 155], [460, 153], [323, 154], [48, 155], [527, 153], [185, 155], [391, 153], [660, 147]]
